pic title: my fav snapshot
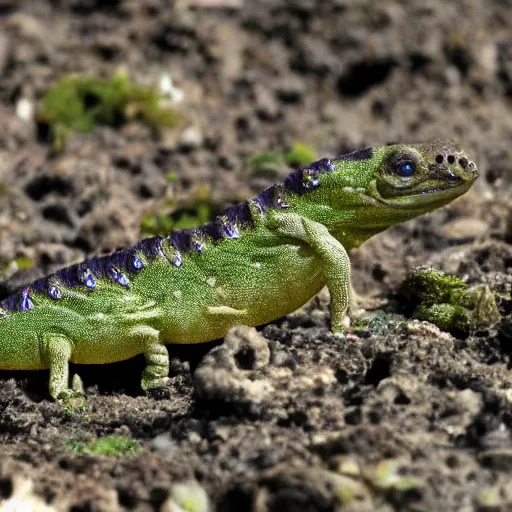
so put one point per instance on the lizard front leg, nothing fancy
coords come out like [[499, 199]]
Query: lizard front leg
[[335, 261], [155, 374]]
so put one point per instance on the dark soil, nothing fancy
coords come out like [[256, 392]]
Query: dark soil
[[398, 416]]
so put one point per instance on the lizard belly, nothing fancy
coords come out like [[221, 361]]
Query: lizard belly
[[19, 345], [287, 287], [108, 338], [259, 290]]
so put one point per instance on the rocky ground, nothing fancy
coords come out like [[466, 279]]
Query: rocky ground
[[397, 416]]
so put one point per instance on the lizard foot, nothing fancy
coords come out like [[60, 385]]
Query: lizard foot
[[74, 402], [342, 327], [150, 382]]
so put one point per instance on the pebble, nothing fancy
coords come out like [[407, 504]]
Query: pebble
[[187, 497], [465, 229], [191, 138]]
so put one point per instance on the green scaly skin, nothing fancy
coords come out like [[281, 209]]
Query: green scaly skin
[[289, 252]]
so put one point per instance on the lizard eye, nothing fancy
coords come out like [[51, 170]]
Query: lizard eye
[[405, 169]]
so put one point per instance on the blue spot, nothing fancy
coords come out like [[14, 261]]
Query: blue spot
[[231, 230], [54, 292], [26, 302], [177, 260], [123, 280], [137, 263], [310, 179], [88, 279], [198, 246], [118, 277], [406, 169], [329, 166]]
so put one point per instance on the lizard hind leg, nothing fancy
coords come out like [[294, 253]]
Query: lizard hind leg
[[155, 374], [56, 352]]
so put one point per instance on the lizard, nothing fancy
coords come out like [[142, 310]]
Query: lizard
[[255, 262]]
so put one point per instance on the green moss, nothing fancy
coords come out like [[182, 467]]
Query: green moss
[[446, 301], [76, 407], [432, 286], [300, 155], [8, 268], [447, 317], [24, 262], [265, 158], [171, 177], [190, 217], [297, 156], [197, 216], [79, 103], [106, 445], [157, 224]]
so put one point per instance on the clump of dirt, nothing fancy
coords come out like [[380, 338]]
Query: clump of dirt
[[397, 415]]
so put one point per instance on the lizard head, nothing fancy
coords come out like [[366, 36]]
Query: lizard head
[[421, 176], [362, 193]]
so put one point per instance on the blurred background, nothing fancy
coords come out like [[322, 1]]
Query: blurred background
[[124, 117]]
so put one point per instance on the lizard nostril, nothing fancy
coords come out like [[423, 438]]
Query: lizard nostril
[[463, 162]]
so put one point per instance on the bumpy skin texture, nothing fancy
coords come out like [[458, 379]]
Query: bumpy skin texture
[[256, 262]]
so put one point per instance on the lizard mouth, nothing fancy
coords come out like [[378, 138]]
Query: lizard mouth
[[421, 196]]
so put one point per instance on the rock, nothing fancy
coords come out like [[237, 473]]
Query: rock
[[486, 312], [298, 487], [465, 229], [500, 458], [228, 373]]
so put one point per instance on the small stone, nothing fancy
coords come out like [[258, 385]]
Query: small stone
[[187, 497], [163, 442], [290, 90], [267, 107], [25, 110], [191, 138], [392, 475], [349, 466]]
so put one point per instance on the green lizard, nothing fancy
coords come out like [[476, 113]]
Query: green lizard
[[255, 262]]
